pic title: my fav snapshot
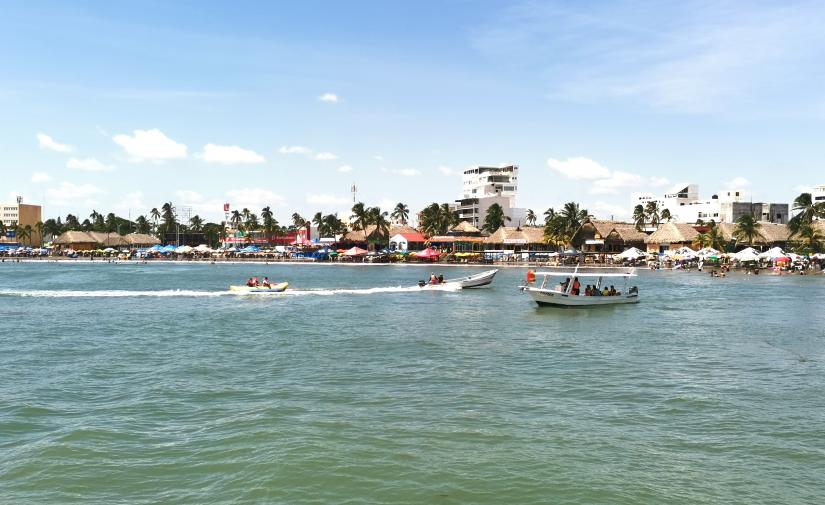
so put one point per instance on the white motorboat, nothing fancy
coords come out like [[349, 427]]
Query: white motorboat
[[471, 281], [274, 288], [563, 294]]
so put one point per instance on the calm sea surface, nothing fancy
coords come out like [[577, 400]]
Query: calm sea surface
[[115, 387]]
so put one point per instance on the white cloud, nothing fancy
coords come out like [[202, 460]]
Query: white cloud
[[254, 198], [345, 169], [88, 165], [68, 192], [327, 199], [295, 150], [579, 168], [133, 200], [737, 183], [150, 145], [387, 204], [606, 210], [328, 98], [188, 196], [325, 157], [322, 156], [230, 155], [616, 180], [46, 142], [40, 177]]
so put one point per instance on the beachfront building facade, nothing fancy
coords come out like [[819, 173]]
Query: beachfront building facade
[[407, 241], [509, 240], [670, 237], [727, 206], [609, 237], [484, 186], [818, 194], [21, 214]]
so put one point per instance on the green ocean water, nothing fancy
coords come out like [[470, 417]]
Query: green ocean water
[[150, 384]]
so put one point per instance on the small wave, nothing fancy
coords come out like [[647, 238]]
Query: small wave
[[184, 293]]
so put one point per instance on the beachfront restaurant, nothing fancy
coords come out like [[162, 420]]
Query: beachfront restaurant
[[76, 240], [602, 237], [518, 243], [408, 241], [671, 237]]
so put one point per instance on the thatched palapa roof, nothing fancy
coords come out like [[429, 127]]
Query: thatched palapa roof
[[141, 239], [515, 235], [74, 237], [464, 227], [673, 233]]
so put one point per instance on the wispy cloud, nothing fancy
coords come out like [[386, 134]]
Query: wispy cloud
[[325, 156], [88, 165], [230, 155], [46, 142], [309, 153], [68, 192], [603, 180], [345, 169], [328, 98], [405, 172], [40, 177]]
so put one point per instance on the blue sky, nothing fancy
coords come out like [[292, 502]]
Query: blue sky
[[122, 106]]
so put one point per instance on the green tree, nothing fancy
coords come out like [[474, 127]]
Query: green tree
[[809, 239], [666, 217], [530, 217], [142, 224], [196, 224], [401, 213], [494, 219], [652, 213], [746, 229], [359, 217], [806, 211], [639, 216]]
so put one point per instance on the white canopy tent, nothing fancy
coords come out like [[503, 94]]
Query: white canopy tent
[[707, 251], [773, 253], [631, 254], [748, 254]]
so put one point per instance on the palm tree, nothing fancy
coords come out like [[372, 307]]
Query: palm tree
[[530, 217], [652, 213], [251, 224], [549, 214], [746, 229], [717, 240], [806, 211], [701, 241], [236, 219], [142, 224], [401, 213], [810, 239], [298, 221], [155, 215], [447, 218], [494, 219], [359, 216], [666, 217], [270, 224], [378, 218], [23, 232], [318, 221], [71, 223], [639, 216], [39, 226], [3, 229], [196, 223]]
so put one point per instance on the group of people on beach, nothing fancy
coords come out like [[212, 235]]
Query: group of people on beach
[[253, 282]]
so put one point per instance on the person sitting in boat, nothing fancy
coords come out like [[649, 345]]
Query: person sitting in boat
[[433, 278], [255, 281], [613, 291], [576, 286], [606, 292], [588, 291], [596, 291], [441, 278], [565, 284], [250, 283], [265, 283]]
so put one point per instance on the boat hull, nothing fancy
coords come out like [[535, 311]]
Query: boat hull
[[276, 288], [548, 297], [475, 281]]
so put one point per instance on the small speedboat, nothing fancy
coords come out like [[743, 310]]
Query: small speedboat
[[471, 281], [274, 288], [563, 295]]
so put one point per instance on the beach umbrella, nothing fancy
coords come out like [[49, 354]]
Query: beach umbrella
[[355, 251], [184, 249], [773, 254], [428, 254], [748, 254]]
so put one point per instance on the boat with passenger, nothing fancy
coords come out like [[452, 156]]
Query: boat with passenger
[[571, 293], [273, 288], [470, 281]]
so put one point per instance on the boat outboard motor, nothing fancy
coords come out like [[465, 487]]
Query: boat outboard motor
[[421, 284]]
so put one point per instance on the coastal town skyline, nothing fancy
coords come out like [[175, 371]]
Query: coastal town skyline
[[200, 113]]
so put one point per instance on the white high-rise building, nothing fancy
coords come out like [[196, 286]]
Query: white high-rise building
[[818, 194], [485, 186]]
